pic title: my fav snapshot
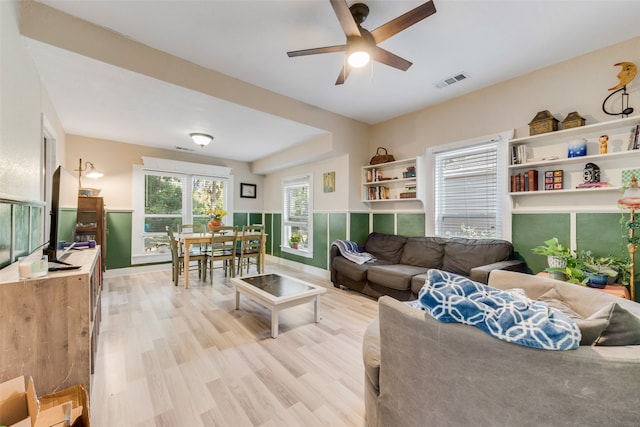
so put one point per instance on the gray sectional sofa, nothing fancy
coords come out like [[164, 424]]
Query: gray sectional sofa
[[402, 263], [421, 372]]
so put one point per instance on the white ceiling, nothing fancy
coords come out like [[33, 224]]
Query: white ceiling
[[491, 41]]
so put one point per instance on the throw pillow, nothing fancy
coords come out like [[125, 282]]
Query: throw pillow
[[623, 329], [590, 328]]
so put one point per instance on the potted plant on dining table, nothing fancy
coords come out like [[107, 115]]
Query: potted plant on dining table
[[215, 218]]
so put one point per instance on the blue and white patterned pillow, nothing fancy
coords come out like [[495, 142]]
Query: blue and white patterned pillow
[[509, 316]]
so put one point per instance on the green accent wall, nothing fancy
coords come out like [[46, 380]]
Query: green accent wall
[[320, 241], [337, 226], [602, 233], [530, 230], [239, 219], [255, 218], [119, 239], [383, 223], [410, 225], [359, 227]]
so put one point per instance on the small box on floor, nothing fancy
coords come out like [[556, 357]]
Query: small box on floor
[[20, 406]]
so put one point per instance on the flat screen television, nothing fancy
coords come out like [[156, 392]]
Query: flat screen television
[[64, 213]]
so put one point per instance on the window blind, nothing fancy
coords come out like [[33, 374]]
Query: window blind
[[466, 194]]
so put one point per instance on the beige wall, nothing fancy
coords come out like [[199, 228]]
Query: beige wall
[[116, 160], [579, 84]]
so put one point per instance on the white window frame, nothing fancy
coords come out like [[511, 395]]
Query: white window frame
[[307, 250], [502, 209], [184, 170]]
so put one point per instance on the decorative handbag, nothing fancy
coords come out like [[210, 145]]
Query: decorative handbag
[[381, 158]]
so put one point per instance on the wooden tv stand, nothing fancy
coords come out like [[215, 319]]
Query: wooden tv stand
[[49, 326]]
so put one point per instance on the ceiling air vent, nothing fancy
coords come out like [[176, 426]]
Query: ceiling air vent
[[451, 80]]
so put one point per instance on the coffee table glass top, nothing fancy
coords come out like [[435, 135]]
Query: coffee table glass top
[[277, 285]]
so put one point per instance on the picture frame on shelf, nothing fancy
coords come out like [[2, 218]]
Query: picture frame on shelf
[[248, 191]]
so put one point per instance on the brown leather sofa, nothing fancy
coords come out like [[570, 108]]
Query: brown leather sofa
[[402, 263]]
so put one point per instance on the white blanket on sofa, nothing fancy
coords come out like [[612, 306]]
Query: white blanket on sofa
[[350, 251]]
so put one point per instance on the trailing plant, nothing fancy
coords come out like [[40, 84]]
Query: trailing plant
[[552, 247]]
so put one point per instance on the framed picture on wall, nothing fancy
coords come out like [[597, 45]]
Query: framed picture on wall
[[329, 182], [248, 190]]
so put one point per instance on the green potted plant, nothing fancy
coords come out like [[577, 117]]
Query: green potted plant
[[602, 270], [295, 240], [555, 252]]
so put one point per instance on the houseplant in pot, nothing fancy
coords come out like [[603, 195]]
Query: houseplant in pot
[[555, 252], [295, 240], [598, 270]]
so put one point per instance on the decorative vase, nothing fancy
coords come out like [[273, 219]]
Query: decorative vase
[[577, 148], [214, 223]]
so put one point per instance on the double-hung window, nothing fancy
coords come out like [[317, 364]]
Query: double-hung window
[[297, 223], [468, 191]]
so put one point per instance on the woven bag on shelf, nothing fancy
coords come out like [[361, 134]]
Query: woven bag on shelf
[[381, 158]]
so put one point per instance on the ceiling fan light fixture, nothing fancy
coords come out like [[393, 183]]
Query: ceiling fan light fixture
[[201, 139], [359, 58]]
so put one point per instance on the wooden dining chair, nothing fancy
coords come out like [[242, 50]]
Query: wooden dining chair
[[251, 248], [177, 258], [192, 228], [223, 248]]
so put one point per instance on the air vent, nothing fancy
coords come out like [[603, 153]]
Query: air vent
[[184, 148], [451, 80]]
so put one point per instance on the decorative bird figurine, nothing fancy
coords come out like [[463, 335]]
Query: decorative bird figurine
[[626, 74]]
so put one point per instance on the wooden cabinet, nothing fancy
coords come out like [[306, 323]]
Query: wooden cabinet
[[397, 181], [536, 158], [92, 223], [49, 326]]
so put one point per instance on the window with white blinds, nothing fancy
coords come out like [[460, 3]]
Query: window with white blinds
[[297, 224], [467, 202]]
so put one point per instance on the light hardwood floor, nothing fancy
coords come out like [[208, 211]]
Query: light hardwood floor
[[174, 357]]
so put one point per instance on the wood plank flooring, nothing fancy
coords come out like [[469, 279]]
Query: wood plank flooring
[[174, 357]]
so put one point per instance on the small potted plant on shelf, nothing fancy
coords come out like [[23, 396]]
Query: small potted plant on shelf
[[295, 240]]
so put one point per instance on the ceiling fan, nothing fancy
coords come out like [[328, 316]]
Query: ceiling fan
[[362, 44]]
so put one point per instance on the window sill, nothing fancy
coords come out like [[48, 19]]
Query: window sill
[[299, 252]]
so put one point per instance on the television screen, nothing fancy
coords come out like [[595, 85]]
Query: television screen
[[64, 212]]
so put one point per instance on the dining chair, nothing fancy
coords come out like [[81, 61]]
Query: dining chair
[[177, 258], [192, 228], [223, 248], [251, 248]]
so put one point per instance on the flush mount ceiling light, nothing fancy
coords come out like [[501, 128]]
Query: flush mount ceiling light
[[201, 139]]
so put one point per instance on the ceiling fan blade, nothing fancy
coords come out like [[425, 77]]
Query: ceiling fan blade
[[390, 59], [404, 21], [344, 73], [314, 51], [347, 22]]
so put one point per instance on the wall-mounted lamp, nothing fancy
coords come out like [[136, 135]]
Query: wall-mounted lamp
[[201, 139], [91, 170], [631, 200]]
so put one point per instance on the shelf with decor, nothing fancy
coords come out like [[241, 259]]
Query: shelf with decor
[[397, 181], [540, 165]]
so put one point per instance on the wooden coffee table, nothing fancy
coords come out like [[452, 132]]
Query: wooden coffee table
[[277, 292]]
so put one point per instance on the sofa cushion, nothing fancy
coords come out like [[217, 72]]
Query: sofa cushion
[[507, 315], [623, 328], [417, 282], [591, 328], [394, 276], [423, 252], [386, 247], [461, 255], [371, 353], [351, 270]]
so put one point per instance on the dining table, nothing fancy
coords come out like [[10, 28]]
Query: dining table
[[188, 239]]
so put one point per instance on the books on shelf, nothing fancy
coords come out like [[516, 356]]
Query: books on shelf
[[520, 154], [527, 181], [634, 138], [593, 185], [378, 193]]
